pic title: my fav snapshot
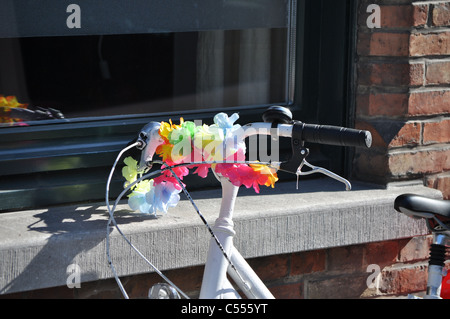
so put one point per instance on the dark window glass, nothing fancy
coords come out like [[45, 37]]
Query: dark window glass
[[91, 76]]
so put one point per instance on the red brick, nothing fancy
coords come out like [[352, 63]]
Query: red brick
[[271, 267], [436, 132], [381, 253], [429, 102], [383, 44], [429, 44], [382, 104], [420, 14], [414, 249], [403, 279], [441, 14], [438, 72], [399, 104], [442, 183], [308, 262], [416, 74], [384, 74], [419, 162], [400, 16], [409, 134], [348, 258]]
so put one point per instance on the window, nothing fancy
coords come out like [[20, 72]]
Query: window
[[85, 87]]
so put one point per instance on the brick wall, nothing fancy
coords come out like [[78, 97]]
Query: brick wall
[[403, 92]]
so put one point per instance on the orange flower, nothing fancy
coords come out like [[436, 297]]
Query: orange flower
[[267, 175], [165, 150]]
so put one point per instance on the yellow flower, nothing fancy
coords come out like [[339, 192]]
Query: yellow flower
[[142, 188], [166, 128], [165, 151], [10, 101], [130, 170]]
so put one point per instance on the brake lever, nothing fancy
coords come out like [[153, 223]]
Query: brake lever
[[298, 158], [317, 169]]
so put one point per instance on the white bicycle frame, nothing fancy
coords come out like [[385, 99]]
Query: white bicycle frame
[[215, 284]]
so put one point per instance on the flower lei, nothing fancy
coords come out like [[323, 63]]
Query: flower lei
[[185, 143]]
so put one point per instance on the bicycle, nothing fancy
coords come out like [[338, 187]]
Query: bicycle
[[436, 213], [226, 159]]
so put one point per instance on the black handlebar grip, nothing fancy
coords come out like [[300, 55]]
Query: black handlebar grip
[[335, 135]]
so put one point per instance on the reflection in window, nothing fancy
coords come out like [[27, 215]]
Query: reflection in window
[[90, 76]]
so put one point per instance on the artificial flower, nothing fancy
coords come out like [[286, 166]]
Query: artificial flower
[[207, 141], [137, 200], [186, 130], [224, 122], [179, 171], [177, 141], [148, 198], [233, 137], [266, 175], [202, 170], [165, 151], [129, 171], [166, 195], [166, 128], [186, 142], [6, 104]]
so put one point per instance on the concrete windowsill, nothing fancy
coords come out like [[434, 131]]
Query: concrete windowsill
[[37, 246]]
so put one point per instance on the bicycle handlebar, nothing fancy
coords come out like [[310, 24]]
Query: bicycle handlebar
[[321, 134], [335, 135], [313, 133], [300, 132]]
